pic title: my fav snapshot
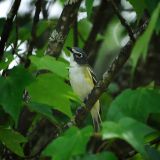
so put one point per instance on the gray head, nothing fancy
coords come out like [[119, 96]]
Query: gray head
[[78, 54]]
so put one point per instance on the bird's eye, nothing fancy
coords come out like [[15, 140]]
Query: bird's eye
[[79, 55]]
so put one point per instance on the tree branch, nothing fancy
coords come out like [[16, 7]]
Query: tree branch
[[8, 26], [123, 21], [75, 33], [34, 26], [91, 46], [97, 25], [61, 30], [44, 10], [16, 37]]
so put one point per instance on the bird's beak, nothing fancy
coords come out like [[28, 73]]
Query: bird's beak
[[70, 49]]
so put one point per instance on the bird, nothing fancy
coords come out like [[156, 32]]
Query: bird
[[82, 80]]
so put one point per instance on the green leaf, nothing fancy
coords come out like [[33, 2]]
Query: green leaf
[[72, 143], [84, 27], [141, 46], [24, 33], [69, 41], [100, 156], [42, 27], [137, 104], [44, 110], [151, 5], [8, 57], [129, 130], [12, 140], [153, 153], [89, 6], [51, 90], [51, 64], [12, 88], [139, 6]]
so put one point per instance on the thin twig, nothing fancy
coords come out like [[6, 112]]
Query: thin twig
[[34, 26], [98, 23], [44, 10], [16, 37], [8, 26], [123, 21], [101, 19], [75, 32]]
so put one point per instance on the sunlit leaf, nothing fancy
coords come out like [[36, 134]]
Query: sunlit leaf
[[84, 27], [137, 104], [72, 143], [128, 129], [51, 90], [51, 64]]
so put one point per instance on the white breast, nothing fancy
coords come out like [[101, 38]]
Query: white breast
[[78, 81]]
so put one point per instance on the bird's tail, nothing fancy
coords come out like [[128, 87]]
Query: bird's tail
[[96, 116]]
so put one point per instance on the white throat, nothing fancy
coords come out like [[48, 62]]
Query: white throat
[[73, 63]]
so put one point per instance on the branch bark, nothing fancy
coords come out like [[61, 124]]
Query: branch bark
[[62, 28], [8, 26], [123, 21], [34, 26], [75, 33], [98, 24]]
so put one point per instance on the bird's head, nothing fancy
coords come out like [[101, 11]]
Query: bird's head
[[78, 54]]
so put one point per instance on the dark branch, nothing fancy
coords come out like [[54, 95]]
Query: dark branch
[[34, 26], [16, 37], [8, 26], [61, 30], [98, 23], [44, 10], [92, 45], [75, 33], [123, 21]]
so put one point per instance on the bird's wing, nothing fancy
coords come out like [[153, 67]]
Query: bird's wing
[[92, 75]]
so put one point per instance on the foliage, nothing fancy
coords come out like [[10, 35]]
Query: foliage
[[12, 140], [127, 129], [38, 105], [76, 146], [137, 105], [141, 46]]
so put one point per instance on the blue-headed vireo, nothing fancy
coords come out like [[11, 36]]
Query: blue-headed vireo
[[82, 80]]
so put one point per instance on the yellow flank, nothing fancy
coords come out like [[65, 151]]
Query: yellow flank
[[88, 76]]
